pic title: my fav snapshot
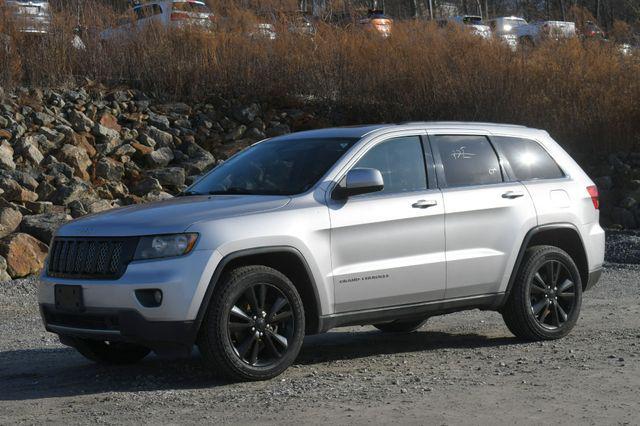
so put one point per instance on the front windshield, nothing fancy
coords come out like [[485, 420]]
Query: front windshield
[[274, 167]]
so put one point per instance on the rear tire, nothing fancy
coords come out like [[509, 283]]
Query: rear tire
[[400, 326], [254, 326], [114, 353], [544, 302]]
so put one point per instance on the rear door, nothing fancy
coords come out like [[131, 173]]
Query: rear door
[[486, 216], [387, 248]]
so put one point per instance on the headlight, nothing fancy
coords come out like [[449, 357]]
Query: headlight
[[157, 246]]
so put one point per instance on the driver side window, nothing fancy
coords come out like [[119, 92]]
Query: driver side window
[[401, 162]]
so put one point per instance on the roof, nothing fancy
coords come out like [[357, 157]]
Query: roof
[[362, 130]]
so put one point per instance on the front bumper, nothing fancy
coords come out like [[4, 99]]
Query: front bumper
[[112, 311], [123, 325]]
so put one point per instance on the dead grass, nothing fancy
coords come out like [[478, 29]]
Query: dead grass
[[585, 94]]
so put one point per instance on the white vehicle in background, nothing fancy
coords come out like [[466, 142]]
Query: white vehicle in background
[[505, 29], [29, 17], [473, 23], [168, 14], [532, 34]]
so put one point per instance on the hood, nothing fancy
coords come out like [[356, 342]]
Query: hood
[[169, 216]]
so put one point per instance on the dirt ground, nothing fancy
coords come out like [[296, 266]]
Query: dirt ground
[[464, 368]]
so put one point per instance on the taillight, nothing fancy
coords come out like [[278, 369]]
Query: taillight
[[177, 16], [593, 193]]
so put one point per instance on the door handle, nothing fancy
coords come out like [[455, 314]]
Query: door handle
[[424, 204], [513, 194]]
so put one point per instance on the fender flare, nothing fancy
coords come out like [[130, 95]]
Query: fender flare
[[217, 274], [525, 243]]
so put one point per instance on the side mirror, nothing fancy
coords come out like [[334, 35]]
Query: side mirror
[[359, 181]]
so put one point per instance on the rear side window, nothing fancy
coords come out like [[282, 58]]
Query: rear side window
[[467, 160], [528, 160], [401, 162]]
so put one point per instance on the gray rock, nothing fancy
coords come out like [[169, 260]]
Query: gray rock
[[159, 121], [236, 133], [162, 138], [198, 159], [79, 121], [172, 177], [145, 186], [43, 226], [42, 119], [160, 158], [10, 218], [27, 147], [623, 217], [6, 156], [4, 276], [74, 190], [77, 158], [109, 169], [246, 114], [278, 129]]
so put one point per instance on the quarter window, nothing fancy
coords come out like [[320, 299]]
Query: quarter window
[[401, 162], [468, 160], [528, 160]]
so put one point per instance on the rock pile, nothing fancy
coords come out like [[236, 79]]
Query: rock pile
[[618, 181], [64, 154]]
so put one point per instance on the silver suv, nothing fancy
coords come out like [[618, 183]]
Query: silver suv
[[385, 225]]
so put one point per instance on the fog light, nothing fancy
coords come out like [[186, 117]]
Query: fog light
[[149, 298]]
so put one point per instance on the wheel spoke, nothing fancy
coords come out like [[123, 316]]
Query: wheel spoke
[[253, 300], [246, 345], [561, 311], [538, 282], [237, 326], [276, 307], [539, 306], [566, 284], [280, 339], [281, 316], [269, 343], [254, 353], [556, 315], [240, 313], [552, 272], [545, 313], [262, 296]]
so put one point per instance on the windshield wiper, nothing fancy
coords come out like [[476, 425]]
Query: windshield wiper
[[188, 193], [232, 191]]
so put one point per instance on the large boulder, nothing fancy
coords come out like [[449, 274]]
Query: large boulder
[[10, 218], [159, 158], [109, 169], [77, 158], [25, 255], [13, 191], [171, 177], [43, 226]]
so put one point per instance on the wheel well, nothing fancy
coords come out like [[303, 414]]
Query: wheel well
[[568, 240], [295, 268]]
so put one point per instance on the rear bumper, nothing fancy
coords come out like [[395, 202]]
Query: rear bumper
[[126, 325], [594, 277]]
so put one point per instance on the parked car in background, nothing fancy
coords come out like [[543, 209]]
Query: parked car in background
[[504, 28], [473, 23], [377, 22], [301, 23], [592, 31], [32, 17], [175, 13], [532, 34]]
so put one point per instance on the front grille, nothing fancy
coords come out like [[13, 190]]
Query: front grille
[[88, 321], [90, 258]]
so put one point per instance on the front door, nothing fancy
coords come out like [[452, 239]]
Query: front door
[[387, 248]]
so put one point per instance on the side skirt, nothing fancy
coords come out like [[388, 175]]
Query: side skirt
[[412, 311]]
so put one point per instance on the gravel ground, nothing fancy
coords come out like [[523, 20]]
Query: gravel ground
[[464, 368]]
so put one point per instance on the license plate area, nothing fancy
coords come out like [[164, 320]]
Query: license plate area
[[69, 298]]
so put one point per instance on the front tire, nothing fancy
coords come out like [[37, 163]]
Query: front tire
[[400, 326], [544, 303], [254, 326]]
